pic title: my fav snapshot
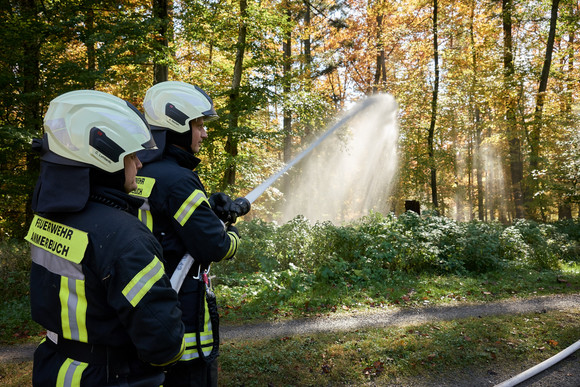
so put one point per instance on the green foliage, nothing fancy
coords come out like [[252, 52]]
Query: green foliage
[[537, 245], [15, 322], [14, 269], [377, 251]]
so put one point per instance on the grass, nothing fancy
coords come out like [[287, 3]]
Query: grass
[[17, 374], [256, 297], [386, 355], [428, 352]]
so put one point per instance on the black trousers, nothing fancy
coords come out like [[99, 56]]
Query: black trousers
[[194, 373]]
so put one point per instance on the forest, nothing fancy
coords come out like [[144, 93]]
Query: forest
[[488, 91]]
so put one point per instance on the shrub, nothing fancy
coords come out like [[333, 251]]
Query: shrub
[[567, 238], [375, 246], [479, 246], [14, 269], [526, 243]]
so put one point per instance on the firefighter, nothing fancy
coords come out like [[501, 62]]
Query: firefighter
[[181, 217], [97, 281]]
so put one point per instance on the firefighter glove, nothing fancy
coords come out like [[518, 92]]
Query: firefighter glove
[[224, 207]]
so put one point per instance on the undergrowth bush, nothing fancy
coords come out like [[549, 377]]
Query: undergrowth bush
[[375, 246], [14, 269], [537, 245]]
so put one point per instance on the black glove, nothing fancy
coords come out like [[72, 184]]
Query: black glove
[[224, 207]]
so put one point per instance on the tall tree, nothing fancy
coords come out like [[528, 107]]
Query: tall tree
[[162, 18], [231, 146], [287, 86], [380, 66], [515, 154], [432, 125], [535, 133]]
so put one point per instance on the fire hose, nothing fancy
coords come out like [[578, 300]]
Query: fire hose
[[244, 203], [540, 367]]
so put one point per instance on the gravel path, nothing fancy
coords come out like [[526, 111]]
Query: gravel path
[[398, 317], [564, 374]]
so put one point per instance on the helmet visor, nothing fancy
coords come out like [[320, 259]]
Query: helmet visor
[[210, 115]]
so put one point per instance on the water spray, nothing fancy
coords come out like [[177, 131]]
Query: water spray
[[244, 203], [259, 190]]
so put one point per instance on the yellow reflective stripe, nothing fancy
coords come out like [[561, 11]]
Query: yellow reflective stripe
[[143, 281], [59, 239], [190, 352], [207, 328], [144, 186], [146, 218], [63, 295], [206, 339], [73, 309], [234, 242], [81, 312], [189, 206], [70, 373]]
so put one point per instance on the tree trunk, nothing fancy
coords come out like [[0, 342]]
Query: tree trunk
[[515, 153], [306, 41], [479, 166], [431, 135], [536, 128], [380, 70], [477, 119], [287, 121], [30, 102], [535, 132], [90, 44], [160, 66], [307, 44], [231, 146]]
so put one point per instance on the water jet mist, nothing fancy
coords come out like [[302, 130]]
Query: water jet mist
[[352, 172]]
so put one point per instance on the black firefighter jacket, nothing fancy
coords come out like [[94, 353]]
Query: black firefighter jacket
[[97, 277], [182, 220]]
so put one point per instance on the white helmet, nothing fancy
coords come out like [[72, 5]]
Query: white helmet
[[95, 128], [174, 104]]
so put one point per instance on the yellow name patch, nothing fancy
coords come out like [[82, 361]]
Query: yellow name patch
[[144, 187], [64, 241]]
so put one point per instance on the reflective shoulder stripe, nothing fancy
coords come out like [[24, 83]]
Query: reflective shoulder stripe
[[56, 264], [58, 239], [143, 281], [144, 186], [145, 217], [189, 206], [70, 373], [234, 243]]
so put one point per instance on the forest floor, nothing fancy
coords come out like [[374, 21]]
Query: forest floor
[[566, 373]]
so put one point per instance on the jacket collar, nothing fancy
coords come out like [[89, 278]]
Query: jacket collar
[[183, 158]]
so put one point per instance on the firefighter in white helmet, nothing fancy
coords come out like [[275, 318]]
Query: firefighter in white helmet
[[97, 280], [184, 219]]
